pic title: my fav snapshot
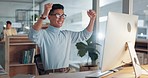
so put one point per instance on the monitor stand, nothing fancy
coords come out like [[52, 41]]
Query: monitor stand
[[134, 59]]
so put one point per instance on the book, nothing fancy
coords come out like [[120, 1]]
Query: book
[[27, 56], [25, 60], [33, 54]]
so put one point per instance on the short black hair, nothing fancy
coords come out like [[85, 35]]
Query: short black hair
[[8, 22], [56, 6]]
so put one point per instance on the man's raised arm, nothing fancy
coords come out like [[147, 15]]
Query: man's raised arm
[[92, 16], [38, 25]]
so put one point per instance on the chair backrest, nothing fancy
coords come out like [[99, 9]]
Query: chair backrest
[[39, 65]]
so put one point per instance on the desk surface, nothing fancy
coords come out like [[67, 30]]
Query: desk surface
[[4, 76], [126, 72]]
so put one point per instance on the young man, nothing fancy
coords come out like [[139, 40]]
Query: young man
[[55, 44]]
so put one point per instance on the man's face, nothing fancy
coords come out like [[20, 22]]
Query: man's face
[[8, 26], [57, 18]]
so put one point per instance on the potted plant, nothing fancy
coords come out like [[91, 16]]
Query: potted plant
[[89, 48]]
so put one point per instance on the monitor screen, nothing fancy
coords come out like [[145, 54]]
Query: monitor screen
[[16, 25], [121, 28]]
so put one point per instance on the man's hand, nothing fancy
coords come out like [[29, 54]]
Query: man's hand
[[91, 14], [47, 8], [38, 25]]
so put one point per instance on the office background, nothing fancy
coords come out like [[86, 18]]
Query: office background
[[23, 13]]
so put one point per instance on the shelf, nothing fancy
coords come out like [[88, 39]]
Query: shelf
[[20, 41], [145, 41], [145, 27], [22, 44], [15, 47], [142, 32], [141, 47], [13, 65], [26, 69], [142, 35], [143, 50]]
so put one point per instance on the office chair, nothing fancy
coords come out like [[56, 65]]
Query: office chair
[[39, 65]]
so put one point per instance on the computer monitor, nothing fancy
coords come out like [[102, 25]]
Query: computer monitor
[[119, 42], [16, 25], [120, 31]]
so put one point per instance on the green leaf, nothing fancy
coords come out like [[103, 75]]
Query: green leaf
[[93, 55], [82, 52], [90, 47], [81, 45]]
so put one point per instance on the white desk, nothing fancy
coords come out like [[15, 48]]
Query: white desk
[[126, 72], [4, 76]]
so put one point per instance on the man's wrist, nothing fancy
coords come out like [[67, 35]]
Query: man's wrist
[[43, 17]]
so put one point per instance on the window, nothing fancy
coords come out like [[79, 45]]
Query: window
[[140, 8], [105, 7]]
